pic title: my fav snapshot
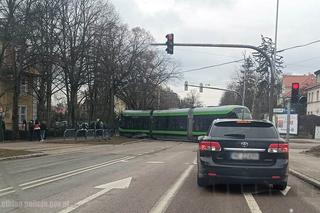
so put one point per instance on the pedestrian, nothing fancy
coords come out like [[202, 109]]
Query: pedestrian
[[37, 130], [25, 129], [2, 130], [43, 128], [31, 126]]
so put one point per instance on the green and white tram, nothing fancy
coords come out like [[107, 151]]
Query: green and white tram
[[185, 123]]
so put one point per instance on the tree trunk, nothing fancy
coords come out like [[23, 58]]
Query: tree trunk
[[73, 106], [41, 101], [15, 109]]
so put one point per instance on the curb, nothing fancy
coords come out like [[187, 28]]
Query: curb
[[305, 178], [23, 156]]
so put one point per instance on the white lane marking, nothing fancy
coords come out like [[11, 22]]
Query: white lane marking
[[120, 184], [66, 176], [155, 162], [286, 190], [124, 161], [253, 205], [72, 171], [165, 200], [6, 189], [6, 193]]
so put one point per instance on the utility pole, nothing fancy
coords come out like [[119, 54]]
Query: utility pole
[[244, 85], [288, 121], [242, 46], [271, 100]]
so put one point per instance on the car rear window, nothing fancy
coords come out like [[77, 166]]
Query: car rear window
[[243, 129]]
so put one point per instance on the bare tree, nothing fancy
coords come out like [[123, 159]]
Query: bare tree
[[76, 20], [146, 69], [191, 100]]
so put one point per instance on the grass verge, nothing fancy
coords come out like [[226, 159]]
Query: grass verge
[[4, 153]]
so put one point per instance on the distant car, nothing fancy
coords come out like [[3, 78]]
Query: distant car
[[243, 152]]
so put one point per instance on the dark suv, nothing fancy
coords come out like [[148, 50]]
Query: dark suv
[[243, 152]]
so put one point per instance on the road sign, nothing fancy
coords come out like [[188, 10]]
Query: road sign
[[278, 110], [282, 111]]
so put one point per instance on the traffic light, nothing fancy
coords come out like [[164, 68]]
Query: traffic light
[[170, 43], [186, 86], [201, 87], [295, 93]]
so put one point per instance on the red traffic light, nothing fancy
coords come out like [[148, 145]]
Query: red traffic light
[[295, 86]]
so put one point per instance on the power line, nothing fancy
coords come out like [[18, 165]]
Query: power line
[[236, 61], [211, 66], [298, 46]]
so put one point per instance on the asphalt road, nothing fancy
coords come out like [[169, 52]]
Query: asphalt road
[[148, 176]]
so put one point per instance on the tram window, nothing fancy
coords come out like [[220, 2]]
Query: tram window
[[170, 123], [135, 122], [177, 123], [203, 122], [160, 123]]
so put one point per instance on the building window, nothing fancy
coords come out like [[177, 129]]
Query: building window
[[22, 113], [312, 97], [24, 87], [309, 97], [318, 95]]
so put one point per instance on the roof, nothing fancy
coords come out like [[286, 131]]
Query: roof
[[240, 120], [184, 112], [136, 113], [303, 80], [171, 112], [317, 85], [317, 72], [215, 110]]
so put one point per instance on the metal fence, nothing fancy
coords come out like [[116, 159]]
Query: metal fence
[[105, 134]]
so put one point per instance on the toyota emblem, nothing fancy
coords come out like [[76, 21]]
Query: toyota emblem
[[244, 144]]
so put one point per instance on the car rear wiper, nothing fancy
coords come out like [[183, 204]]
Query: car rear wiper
[[241, 136]]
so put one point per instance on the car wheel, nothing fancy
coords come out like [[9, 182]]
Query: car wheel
[[281, 186]]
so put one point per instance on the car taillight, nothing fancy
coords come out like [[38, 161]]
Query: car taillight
[[209, 146], [278, 148]]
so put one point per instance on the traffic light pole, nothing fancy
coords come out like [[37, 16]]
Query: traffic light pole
[[242, 46], [288, 121]]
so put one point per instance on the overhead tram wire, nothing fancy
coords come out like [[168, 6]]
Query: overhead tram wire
[[299, 46], [211, 66]]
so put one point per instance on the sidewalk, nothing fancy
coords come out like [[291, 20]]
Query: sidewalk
[[305, 167], [304, 140]]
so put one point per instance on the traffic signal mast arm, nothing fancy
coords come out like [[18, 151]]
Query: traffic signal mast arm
[[216, 88], [272, 68]]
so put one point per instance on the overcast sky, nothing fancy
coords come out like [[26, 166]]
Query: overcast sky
[[227, 21]]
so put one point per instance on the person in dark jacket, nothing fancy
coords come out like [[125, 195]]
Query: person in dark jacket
[[43, 129], [30, 127], [37, 130]]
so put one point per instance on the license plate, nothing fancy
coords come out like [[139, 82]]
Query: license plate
[[244, 156]]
